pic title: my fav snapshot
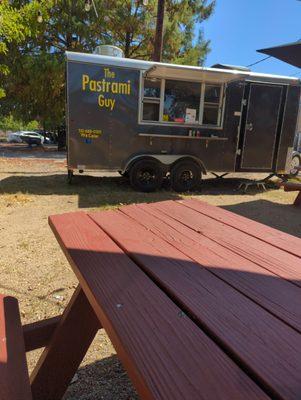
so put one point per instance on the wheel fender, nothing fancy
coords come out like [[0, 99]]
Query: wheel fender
[[165, 159]]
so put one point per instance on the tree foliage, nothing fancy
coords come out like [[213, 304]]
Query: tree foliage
[[8, 123], [34, 52], [17, 24]]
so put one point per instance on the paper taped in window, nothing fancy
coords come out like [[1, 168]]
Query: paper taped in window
[[190, 116]]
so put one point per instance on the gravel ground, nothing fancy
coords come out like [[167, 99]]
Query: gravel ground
[[34, 269]]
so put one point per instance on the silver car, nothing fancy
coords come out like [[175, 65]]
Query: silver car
[[31, 137], [14, 137]]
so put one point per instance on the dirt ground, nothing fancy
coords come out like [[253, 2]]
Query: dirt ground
[[33, 268]]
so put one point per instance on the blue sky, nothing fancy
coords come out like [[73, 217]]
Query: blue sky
[[239, 27]]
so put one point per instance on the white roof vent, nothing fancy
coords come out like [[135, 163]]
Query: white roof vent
[[108, 50]]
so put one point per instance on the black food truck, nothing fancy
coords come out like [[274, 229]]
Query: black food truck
[[152, 120]]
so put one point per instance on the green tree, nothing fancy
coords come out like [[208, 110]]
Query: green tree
[[35, 55], [17, 24], [8, 123], [37, 89]]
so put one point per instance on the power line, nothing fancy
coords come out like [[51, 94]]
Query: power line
[[257, 62]]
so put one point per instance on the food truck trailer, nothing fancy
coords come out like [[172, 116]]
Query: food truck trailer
[[151, 120]]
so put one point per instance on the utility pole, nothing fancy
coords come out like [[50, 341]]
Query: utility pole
[[158, 45]]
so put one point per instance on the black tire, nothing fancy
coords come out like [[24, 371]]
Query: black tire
[[185, 176], [146, 175], [296, 162]]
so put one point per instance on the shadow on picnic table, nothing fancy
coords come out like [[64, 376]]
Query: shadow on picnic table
[[221, 300], [284, 217]]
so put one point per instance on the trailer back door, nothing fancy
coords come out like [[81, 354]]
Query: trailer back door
[[260, 126]]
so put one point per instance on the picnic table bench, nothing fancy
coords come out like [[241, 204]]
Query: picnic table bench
[[199, 303], [293, 187]]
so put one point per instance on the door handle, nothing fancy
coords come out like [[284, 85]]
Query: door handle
[[249, 126]]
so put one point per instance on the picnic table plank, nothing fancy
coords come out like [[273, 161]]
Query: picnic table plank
[[297, 201], [282, 240], [165, 354], [38, 334], [278, 296], [263, 345], [14, 379], [63, 354], [293, 187], [262, 253]]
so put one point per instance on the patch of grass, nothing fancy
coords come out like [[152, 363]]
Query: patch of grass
[[16, 199], [24, 245]]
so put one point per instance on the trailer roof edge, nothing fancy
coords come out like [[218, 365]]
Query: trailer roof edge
[[152, 66]]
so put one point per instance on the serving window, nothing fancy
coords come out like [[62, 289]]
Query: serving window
[[180, 102], [151, 99]]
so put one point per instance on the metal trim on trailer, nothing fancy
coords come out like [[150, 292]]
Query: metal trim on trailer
[[281, 130], [166, 159], [192, 74], [67, 116], [181, 136], [144, 65], [238, 150], [268, 83]]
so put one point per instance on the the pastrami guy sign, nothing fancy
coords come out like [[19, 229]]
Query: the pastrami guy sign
[[107, 87]]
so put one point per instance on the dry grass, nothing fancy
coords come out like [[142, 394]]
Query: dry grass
[[33, 268]]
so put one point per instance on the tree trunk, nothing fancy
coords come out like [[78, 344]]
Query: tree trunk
[[127, 44], [158, 45]]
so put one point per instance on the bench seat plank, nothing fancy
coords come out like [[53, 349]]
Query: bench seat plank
[[165, 354], [262, 344], [14, 379], [291, 186], [282, 240], [264, 254], [278, 296]]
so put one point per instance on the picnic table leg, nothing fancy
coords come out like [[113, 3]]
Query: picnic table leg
[[67, 348], [298, 200]]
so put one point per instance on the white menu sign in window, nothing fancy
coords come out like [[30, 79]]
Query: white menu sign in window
[[190, 116]]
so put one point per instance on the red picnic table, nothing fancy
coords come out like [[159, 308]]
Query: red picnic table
[[293, 187], [199, 303]]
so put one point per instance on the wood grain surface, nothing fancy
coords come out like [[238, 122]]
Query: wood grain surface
[[269, 257], [277, 295], [63, 354], [282, 240], [165, 353], [263, 345], [14, 380], [38, 334]]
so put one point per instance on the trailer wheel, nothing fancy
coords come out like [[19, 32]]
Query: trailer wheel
[[185, 176], [146, 175], [70, 176]]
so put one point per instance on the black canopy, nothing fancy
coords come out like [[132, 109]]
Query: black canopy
[[290, 53]]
